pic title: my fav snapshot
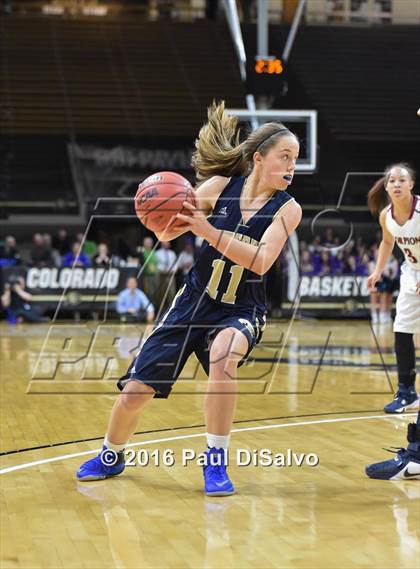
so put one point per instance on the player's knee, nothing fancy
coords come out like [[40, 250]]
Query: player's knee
[[228, 349], [223, 361], [218, 353], [135, 395], [221, 368], [130, 401]]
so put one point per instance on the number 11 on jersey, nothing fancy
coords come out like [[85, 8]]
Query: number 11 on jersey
[[212, 289]]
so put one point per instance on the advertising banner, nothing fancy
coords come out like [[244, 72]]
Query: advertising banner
[[332, 295], [77, 288], [81, 288]]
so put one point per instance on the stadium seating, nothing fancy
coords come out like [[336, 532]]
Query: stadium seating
[[342, 69], [129, 81], [339, 71], [114, 77], [36, 176]]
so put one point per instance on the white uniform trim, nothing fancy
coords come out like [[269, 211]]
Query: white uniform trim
[[282, 206], [407, 318], [407, 237]]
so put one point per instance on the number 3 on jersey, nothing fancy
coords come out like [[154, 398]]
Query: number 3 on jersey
[[410, 255], [212, 289]]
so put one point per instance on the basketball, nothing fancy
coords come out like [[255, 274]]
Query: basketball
[[160, 197]]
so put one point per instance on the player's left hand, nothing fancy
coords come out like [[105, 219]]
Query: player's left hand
[[195, 221]]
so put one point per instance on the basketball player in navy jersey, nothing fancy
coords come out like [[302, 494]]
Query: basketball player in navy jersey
[[244, 216], [399, 209]]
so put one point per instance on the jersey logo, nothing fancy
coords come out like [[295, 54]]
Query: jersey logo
[[223, 211]]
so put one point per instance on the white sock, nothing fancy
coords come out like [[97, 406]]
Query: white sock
[[383, 317], [117, 448], [218, 441]]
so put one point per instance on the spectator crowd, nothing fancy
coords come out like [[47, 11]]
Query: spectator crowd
[[162, 267], [327, 257]]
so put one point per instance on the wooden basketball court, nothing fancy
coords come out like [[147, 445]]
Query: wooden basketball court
[[314, 387]]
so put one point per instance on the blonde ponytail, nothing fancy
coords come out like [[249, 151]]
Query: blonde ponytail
[[218, 151]]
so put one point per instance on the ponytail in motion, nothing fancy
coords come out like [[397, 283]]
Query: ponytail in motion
[[219, 151], [377, 196]]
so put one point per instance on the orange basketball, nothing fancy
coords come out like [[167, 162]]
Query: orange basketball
[[160, 197]]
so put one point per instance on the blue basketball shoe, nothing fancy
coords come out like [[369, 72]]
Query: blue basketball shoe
[[108, 463], [405, 466], [405, 398], [216, 479]]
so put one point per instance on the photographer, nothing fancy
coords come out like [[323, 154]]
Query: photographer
[[15, 299], [133, 305]]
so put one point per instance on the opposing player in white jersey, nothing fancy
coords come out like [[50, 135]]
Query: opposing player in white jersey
[[399, 209]]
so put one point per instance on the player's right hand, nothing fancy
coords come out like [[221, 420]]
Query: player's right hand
[[372, 280]]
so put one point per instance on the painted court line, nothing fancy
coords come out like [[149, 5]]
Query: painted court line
[[183, 437]]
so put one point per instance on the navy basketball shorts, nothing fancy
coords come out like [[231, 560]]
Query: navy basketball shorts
[[189, 325]]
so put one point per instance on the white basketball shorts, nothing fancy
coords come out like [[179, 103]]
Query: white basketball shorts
[[407, 318]]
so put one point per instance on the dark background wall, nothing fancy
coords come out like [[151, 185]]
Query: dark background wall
[[124, 81]]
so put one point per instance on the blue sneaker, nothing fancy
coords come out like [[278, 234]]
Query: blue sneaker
[[216, 480], [108, 463], [405, 466], [404, 399]]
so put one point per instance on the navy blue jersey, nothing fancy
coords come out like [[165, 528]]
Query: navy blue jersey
[[221, 279], [217, 295]]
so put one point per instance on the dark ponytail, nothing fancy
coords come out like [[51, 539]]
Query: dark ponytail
[[377, 197]]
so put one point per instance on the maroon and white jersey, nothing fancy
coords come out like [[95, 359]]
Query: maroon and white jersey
[[407, 236]]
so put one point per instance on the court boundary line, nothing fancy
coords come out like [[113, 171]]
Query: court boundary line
[[196, 435], [180, 427]]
